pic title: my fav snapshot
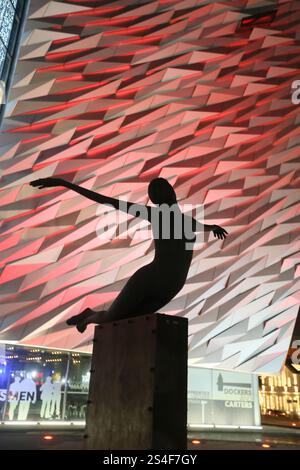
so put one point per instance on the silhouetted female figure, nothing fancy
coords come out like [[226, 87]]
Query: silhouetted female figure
[[155, 284]]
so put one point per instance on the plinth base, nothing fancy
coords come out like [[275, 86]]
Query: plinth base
[[138, 387]]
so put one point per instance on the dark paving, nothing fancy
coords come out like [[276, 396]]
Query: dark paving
[[277, 439]]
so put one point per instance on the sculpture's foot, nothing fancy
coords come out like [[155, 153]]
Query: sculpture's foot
[[81, 327], [76, 319], [88, 316]]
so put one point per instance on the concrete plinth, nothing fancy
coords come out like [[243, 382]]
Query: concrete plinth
[[138, 387]]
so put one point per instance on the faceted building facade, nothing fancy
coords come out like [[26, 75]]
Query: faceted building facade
[[109, 95]]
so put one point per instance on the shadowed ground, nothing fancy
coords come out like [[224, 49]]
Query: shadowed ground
[[278, 439]]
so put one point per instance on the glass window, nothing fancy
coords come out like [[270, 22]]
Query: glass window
[[2, 55], [78, 386], [41, 385], [11, 14], [34, 384], [8, 15]]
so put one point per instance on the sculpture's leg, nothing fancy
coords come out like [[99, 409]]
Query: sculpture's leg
[[123, 307], [78, 318], [84, 318], [91, 317], [141, 295], [126, 304]]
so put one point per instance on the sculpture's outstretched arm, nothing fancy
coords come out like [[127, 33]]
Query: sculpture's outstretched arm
[[138, 210], [219, 232]]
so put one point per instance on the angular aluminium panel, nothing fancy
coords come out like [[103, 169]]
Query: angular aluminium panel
[[110, 95]]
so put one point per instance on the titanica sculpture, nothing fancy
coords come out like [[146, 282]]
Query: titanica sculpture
[[174, 233]]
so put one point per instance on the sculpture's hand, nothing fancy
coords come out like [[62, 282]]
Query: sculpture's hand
[[48, 182], [219, 232]]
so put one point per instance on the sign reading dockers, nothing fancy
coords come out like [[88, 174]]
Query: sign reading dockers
[[220, 397], [236, 395]]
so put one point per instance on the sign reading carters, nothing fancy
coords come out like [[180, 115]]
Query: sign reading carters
[[214, 397], [236, 394]]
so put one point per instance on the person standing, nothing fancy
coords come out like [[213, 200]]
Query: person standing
[[56, 398], [46, 390], [27, 396], [13, 397]]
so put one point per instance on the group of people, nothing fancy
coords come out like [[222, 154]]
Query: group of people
[[51, 398], [23, 393]]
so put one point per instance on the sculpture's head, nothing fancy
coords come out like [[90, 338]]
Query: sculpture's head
[[160, 191]]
